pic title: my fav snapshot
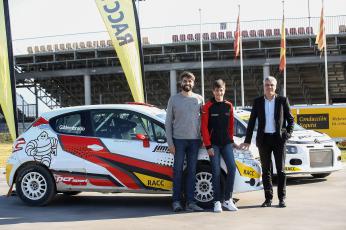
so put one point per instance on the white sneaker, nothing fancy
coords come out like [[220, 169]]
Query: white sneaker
[[217, 206], [229, 205]]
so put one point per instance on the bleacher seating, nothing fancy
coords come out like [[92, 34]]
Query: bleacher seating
[[229, 35], [260, 33], [175, 38], [269, 32], [244, 34], [301, 31], [189, 37], [309, 30], [205, 36], [293, 31], [277, 32], [221, 35]]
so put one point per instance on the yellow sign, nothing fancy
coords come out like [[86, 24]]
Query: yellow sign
[[120, 20], [247, 171], [154, 182], [325, 119]]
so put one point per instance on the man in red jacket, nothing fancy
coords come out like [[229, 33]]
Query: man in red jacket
[[217, 132]]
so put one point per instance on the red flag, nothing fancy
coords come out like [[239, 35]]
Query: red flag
[[237, 40], [283, 46], [321, 34]]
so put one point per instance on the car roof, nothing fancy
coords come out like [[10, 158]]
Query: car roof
[[144, 109]]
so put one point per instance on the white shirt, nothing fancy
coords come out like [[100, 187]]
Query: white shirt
[[269, 106]]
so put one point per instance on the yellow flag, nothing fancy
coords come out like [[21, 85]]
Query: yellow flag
[[121, 21], [7, 81]]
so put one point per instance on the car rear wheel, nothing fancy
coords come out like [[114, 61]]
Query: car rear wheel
[[320, 175], [35, 185]]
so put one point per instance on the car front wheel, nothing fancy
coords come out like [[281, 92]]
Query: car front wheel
[[35, 185]]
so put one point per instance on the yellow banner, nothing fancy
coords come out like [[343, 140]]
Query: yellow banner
[[6, 100], [119, 18]]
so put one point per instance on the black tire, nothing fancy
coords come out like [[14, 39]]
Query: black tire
[[71, 193], [204, 192], [35, 185], [320, 175]]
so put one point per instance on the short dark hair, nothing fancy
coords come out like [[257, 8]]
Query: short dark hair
[[187, 75], [219, 83]]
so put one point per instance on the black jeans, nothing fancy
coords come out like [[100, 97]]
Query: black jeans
[[273, 143]]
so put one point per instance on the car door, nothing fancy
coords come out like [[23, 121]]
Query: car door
[[69, 168], [132, 149]]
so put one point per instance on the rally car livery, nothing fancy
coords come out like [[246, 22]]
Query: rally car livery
[[108, 148]]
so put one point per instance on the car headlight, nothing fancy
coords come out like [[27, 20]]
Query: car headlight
[[291, 149]]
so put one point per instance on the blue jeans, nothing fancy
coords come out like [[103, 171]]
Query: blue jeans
[[190, 149], [227, 153]]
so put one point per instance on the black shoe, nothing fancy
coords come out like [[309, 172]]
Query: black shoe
[[282, 204], [266, 203]]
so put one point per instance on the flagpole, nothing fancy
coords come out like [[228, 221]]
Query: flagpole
[[241, 64], [283, 12], [201, 45], [325, 53]]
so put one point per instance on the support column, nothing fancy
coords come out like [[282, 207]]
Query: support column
[[173, 81], [87, 90], [36, 101], [266, 70]]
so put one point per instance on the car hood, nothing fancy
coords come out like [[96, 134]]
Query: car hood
[[309, 136]]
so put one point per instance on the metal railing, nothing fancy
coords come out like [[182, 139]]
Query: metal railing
[[163, 35]]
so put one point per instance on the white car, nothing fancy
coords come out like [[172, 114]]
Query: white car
[[107, 148], [307, 151]]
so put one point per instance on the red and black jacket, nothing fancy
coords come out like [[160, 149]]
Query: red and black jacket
[[217, 123]]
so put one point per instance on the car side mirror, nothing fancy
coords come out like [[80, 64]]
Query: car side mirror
[[144, 138]]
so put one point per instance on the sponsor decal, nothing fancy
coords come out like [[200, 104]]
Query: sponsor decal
[[72, 128], [70, 180], [42, 148], [161, 149], [292, 169], [313, 121], [154, 182], [247, 171]]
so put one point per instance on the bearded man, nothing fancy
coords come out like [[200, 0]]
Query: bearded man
[[184, 139]]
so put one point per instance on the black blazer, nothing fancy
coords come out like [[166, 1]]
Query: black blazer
[[284, 121]]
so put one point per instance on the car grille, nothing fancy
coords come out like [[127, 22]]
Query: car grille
[[321, 158]]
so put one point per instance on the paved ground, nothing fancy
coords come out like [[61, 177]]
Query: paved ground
[[312, 204]]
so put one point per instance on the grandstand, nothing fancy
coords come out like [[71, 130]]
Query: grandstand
[[63, 74]]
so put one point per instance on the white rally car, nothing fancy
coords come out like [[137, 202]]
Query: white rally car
[[107, 148], [307, 151]]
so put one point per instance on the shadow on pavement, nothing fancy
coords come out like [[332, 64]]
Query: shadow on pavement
[[84, 208]]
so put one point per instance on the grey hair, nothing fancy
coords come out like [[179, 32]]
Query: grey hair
[[271, 79]]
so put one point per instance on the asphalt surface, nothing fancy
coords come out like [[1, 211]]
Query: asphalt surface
[[311, 204]]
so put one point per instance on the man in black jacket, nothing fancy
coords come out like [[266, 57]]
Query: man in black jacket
[[275, 126]]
